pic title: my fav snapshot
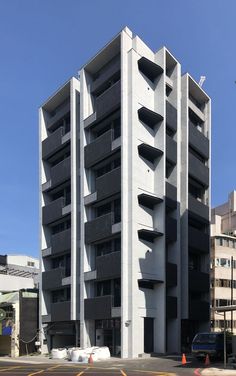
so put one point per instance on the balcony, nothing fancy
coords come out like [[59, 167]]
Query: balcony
[[149, 117], [149, 152], [98, 150], [196, 110], [54, 142], [99, 308], [198, 170], [61, 172], [148, 200], [198, 240], [149, 235], [60, 311], [198, 208], [199, 310], [171, 196], [53, 211], [108, 266], [198, 281], [171, 307], [171, 116], [171, 150], [151, 70], [99, 228], [198, 141], [171, 275], [63, 111], [61, 242], [108, 184], [171, 229], [111, 70], [52, 279]]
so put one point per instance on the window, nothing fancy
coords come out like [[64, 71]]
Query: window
[[62, 295], [30, 263]]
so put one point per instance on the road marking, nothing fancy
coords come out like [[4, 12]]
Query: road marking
[[36, 373], [50, 368], [9, 368], [122, 372], [79, 374], [197, 372]]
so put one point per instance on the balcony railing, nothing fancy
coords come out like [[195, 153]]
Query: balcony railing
[[52, 279], [198, 170], [53, 211]]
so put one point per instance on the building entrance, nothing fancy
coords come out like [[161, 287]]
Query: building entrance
[[108, 334]]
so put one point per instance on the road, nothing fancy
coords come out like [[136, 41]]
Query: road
[[139, 367]]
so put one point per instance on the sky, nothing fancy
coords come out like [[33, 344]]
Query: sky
[[44, 42]]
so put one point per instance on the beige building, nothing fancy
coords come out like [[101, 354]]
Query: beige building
[[223, 261]]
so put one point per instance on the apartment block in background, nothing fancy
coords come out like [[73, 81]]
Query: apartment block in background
[[223, 262], [125, 159]]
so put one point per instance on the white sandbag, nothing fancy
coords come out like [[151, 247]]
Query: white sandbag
[[59, 353], [76, 354], [103, 353], [69, 352]]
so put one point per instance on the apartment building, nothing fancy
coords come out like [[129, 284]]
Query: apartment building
[[125, 193], [223, 262]]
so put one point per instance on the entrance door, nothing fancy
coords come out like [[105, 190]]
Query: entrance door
[[148, 335]]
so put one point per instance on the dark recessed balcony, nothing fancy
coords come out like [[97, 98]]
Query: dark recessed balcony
[[151, 70], [148, 283], [108, 266], [171, 150], [198, 141], [149, 200], [62, 112], [171, 307], [98, 308], [61, 242], [53, 211], [108, 184], [52, 143], [199, 310], [112, 70], [198, 240], [149, 117], [109, 101], [61, 172], [149, 152], [171, 229], [99, 228], [198, 170], [171, 274], [171, 116], [60, 311], [198, 281], [99, 149], [198, 208], [171, 196], [149, 235], [52, 279]]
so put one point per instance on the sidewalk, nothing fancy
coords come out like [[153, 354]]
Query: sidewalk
[[218, 371]]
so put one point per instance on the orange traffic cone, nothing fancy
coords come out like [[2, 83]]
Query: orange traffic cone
[[207, 360], [184, 360], [90, 359]]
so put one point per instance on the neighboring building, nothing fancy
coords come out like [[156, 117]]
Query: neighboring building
[[125, 188], [19, 279], [18, 272], [18, 322], [223, 261]]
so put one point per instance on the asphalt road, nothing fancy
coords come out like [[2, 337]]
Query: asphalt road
[[170, 366]]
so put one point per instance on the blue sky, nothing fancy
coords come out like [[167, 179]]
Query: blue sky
[[45, 42]]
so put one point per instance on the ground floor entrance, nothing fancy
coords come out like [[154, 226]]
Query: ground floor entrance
[[148, 335], [107, 333]]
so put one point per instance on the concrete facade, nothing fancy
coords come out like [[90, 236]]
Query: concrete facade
[[223, 262], [125, 160]]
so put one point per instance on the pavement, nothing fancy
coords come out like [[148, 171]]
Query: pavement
[[162, 366]]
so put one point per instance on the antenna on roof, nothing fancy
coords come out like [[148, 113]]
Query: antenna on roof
[[201, 81]]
